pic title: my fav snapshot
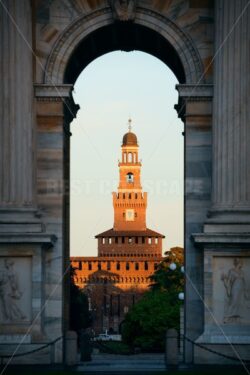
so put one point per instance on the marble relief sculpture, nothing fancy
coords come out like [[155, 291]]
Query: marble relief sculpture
[[10, 293], [237, 292]]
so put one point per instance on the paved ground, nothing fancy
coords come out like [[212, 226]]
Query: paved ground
[[129, 363]]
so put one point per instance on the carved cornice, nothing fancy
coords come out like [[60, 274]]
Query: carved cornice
[[46, 92], [217, 239], [195, 92]]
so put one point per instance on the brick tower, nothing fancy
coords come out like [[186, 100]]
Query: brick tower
[[130, 234], [128, 253]]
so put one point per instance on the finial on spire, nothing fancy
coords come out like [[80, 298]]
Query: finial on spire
[[129, 124]]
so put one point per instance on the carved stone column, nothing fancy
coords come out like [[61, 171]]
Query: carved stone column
[[16, 110], [231, 113]]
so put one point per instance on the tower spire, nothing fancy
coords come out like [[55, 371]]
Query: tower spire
[[129, 124]]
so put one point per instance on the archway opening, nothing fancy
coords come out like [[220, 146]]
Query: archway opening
[[107, 84], [125, 37]]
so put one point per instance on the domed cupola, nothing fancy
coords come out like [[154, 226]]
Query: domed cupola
[[129, 139]]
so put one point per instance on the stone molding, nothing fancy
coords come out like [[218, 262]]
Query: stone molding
[[197, 92], [24, 238], [85, 25], [46, 92], [219, 239]]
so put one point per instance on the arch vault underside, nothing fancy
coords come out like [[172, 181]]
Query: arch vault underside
[[34, 194]]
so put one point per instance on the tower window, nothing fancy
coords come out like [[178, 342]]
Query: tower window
[[146, 266], [130, 157], [89, 266], [135, 214], [118, 266], [135, 195], [130, 178], [99, 266], [127, 266], [108, 266], [136, 266], [155, 266], [79, 265], [129, 196], [123, 214]]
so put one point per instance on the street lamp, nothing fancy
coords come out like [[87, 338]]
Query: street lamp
[[172, 266], [181, 296]]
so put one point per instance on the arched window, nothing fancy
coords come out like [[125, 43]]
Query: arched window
[[80, 265], [89, 266], [136, 266], [146, 266], [118, 266], [130, 178], [130, 157], [127, 266]]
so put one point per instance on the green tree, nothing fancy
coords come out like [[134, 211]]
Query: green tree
[[80, 317], [146, 323]]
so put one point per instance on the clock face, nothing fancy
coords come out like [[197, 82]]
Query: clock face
[[130, 215]]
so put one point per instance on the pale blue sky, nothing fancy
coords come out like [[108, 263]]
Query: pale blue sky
[[110, 89]]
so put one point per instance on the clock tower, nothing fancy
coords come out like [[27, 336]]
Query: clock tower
[[130, 202], [130, 234]]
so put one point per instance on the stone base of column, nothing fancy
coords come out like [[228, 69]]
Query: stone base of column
[[20, 220], [226, 298], [228, 221]]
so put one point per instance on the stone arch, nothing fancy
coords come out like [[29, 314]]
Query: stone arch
[[84, 26]]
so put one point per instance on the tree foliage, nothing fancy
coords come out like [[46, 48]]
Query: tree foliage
[[146, 323]]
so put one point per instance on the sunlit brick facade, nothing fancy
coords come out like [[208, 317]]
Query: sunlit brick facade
[[128, 253]]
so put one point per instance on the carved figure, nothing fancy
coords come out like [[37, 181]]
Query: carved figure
[[236, 292], [123, 10], [10, 293]]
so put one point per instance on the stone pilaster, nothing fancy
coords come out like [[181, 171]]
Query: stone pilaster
[[195, 108], [231, 110], [16, 110]]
